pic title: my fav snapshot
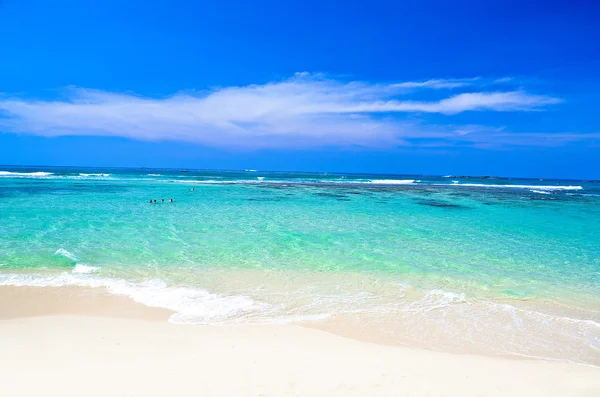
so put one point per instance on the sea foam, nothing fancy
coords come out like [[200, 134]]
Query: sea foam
[[436, 299], [192, 306], [84, 269]]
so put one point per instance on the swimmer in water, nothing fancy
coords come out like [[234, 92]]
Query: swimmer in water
[[150, 201], [163, 200], [154, 201], [171, 200]]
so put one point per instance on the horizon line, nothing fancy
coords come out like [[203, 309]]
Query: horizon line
[[179, 169]]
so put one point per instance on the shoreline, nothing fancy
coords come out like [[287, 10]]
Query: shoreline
[[22, 302], [26, 302], [76, 341]]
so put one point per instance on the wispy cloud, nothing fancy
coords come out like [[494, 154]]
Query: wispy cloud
[[306, 110], [438, 83], [503, 80]]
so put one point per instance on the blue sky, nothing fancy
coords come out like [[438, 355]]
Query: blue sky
[[437, 87]]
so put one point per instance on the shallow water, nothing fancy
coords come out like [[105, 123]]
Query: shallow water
[[499, 266]]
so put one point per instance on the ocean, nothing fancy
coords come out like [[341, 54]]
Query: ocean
[[482, 265]]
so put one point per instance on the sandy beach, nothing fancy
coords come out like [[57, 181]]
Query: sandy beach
[[73, 342], [315, 199]]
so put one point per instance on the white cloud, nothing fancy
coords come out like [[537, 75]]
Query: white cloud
[[504, 80], [305, 110], [437, 83]]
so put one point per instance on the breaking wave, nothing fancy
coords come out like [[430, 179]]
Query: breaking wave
[[11, 174], [190, 305]]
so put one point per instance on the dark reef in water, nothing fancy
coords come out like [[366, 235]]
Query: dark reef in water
[[477, 177], [441, 204], [265, 198], [41, 188], [333, 195], [358, 193]]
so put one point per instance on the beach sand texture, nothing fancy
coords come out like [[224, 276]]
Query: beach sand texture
[[120, 348]]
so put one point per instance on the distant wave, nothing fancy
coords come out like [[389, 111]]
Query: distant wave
[[208, 181], [82, 174], [24, 174], [303, 181], [51, 175], [261, 179], [392, 181], [540, 192], [536, 187]]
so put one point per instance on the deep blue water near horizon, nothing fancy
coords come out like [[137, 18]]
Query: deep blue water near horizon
[[481, 264], [67, 169]]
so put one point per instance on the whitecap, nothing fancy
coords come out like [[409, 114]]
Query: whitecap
[[24, 174], [191, 306], [84, 269], [550, 187], [272, 181], [103, 175], [207, 181], [66, 254], [392, 181]]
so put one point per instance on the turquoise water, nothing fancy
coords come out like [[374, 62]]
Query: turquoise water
[[501, 266]]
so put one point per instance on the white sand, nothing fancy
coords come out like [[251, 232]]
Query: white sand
[[66, 355]]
